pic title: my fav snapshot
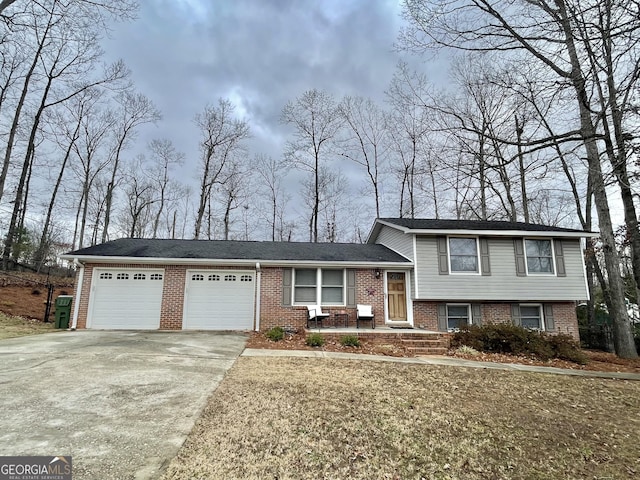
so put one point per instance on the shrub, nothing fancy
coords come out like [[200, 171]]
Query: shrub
[[566, 348], [514, 340], [275, 334], [466, 350], [350, 341], [315, 340]]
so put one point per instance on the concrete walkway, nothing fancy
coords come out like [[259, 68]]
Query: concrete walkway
[[438, 360]]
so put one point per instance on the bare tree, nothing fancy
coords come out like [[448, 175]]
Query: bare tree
[[92, 160], [367, 140], [550, 35], [221, 141], [134, 110], [66, 135], [164, 158], [140, 195], [270, 185], [316, 121], [408, 130]]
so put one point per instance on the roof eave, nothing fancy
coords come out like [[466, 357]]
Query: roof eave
[[503, 233], [229, 262]]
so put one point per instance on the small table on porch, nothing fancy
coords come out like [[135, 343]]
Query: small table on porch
[[341, 316]]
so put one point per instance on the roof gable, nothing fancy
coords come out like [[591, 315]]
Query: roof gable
[[484, 227]]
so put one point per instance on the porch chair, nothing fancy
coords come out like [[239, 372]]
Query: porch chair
[[364, 313], [316, 315]]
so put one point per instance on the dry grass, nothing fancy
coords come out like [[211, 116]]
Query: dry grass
[[291, 418], [18, 327]]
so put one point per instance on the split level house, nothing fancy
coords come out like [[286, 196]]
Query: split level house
[[435, 275]]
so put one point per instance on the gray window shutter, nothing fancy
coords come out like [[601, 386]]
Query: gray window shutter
[[485, 264], [442, 317], [443, 259], [351, 288], [476, 314], [515, 314], [286, 287], [518, 248], [560, 270], [549, 323]]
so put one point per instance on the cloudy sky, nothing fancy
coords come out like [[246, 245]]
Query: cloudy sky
[[259, 54]]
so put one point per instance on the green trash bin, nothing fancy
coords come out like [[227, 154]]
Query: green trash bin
[[63, 311]]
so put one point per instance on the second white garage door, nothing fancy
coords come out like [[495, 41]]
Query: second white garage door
[[219, 300]]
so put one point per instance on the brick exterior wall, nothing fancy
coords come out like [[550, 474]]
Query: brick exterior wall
[[172, 297], [425, 315], [369, 291]]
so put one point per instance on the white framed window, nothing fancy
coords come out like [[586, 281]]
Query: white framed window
[[229, 278], [106, 276], [139, 276], [246, 278], [458, 315], [196, 277], [318, 286], [155, 276], [214, 278], [539, 256], [531, 316], [122, 276], [463, 255]]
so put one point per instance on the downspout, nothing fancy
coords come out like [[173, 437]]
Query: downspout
[[258, 278], [76, 303]]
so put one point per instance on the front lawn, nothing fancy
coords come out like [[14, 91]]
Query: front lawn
[[17, 327], [291, 418]]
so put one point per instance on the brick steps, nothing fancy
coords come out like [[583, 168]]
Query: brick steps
[[417, 344]]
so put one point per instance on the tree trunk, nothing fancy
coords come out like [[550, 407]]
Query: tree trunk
[[622, 335], [16, 118], [110, 187], [523, 184]]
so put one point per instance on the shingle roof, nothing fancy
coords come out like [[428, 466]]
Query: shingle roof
[[432, 224], [240, 250]]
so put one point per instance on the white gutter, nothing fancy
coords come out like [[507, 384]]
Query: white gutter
[[76, 304], [233, 262], [258, 278]]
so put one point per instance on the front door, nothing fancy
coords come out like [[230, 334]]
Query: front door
[[397, 296]]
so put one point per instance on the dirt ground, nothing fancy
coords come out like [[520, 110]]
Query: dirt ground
[[25, 294], [598, 361]]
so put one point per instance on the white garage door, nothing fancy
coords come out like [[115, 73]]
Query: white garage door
[[219, 300], [126, 299]]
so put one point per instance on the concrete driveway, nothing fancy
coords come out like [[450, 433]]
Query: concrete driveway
[[120, 403]]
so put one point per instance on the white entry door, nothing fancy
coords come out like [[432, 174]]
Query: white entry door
[[219, 300], [126, 299]]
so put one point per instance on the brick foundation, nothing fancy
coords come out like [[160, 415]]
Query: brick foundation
[[425, 315]]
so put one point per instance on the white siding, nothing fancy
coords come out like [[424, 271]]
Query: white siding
[[503, 283], [397, 241]]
